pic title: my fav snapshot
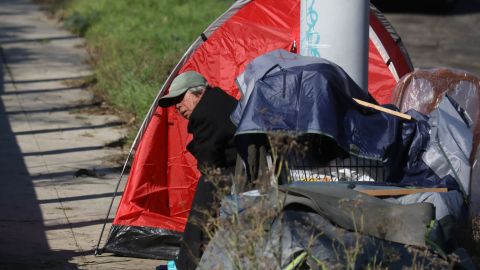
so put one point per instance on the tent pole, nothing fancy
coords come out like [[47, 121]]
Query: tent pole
[[98, 251]]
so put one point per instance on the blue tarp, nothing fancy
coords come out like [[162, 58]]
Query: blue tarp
[[317, 99]]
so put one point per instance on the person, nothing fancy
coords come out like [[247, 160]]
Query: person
[[207, 110]]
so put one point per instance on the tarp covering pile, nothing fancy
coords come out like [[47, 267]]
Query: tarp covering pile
[[303, 231], [157, 198], [314, 222], [318, 99], [424, 90]]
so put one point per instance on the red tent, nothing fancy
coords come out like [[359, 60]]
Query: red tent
[[159, 192]]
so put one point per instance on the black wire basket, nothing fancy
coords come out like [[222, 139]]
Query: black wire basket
[[300, 168]]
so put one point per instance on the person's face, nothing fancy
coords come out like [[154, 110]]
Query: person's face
[[187, 104]]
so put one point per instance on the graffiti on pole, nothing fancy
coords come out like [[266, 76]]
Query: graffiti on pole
[[309, 28]]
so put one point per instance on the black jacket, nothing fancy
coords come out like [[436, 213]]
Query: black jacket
[[212, 130]]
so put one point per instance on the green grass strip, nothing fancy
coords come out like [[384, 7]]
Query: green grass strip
[[136, 44]]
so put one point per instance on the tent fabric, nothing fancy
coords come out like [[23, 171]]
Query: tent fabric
[[163, 175], [390, 52], [165, 164], [395, 56], [143, 242]]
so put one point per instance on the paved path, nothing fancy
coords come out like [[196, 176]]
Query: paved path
[[440, 40], [49, 217]]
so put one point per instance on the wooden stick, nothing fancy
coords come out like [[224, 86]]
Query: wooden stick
[[399, 192], [382, 109]]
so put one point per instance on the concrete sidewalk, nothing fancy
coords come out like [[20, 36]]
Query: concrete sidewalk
[[51, 213]]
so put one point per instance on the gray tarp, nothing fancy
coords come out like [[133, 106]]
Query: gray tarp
[[445, 160], [447, 203], [297, 229], [450, 144], [449, 212], [365, 214]]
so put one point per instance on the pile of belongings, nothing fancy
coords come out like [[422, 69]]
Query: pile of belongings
[[407, 216]]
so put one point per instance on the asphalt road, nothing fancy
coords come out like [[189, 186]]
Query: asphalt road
[[438, 39]]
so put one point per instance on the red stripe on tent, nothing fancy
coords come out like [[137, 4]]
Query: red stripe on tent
[[380, 79], [399, 60]]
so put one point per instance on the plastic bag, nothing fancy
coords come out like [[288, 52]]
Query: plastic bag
[[424, 89]]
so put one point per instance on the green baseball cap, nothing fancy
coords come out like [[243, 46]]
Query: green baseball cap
[[180, 85]]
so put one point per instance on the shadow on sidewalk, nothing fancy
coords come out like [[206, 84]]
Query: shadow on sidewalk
[[24, 237], [40, 91], [81, 198], [54, 130], [23, 243]]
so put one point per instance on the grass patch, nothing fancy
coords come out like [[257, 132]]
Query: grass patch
[[135, 44]]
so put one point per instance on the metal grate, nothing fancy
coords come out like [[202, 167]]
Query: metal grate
[[350, 169]]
